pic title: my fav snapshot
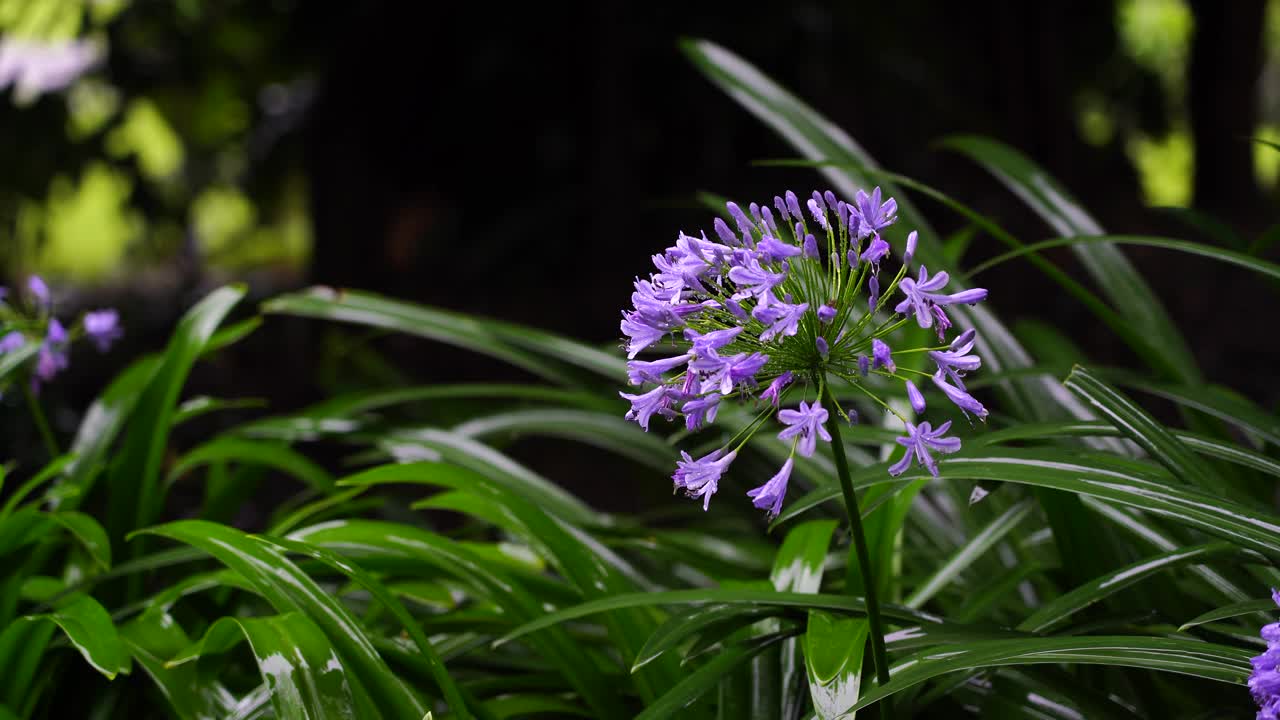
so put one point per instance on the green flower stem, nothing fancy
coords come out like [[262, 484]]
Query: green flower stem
[[42, 423], [864, 557]]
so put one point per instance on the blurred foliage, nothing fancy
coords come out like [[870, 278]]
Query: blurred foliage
[[175, 144]]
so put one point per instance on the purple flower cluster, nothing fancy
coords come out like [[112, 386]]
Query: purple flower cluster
[[29, 319], [787, 299], [1264, 681]]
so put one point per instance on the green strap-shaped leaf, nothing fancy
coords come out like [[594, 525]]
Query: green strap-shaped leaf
[[1125, 482], [89, 629], [1203, 444], [341, 415], [608, 431], [1119, 280], [781, 601], [136, 495], [289, 589], [153, 638], [436, 445], [965, 556], [453, 696], [708, 676], [541, 353], [254, 452], [298, 663], [1056, 611], [89, 533], [1187, 657], [368, 541], [1242, 260], [1248, 607], [98, 431], [1141, 428]]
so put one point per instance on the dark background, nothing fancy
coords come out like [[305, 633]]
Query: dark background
[[524, 161]]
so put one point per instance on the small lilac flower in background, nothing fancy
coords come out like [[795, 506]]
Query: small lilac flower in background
[[52, 357], [103, 328], [788, 301], [12, 341], [768, 497], [1264, 681], [39, 291]]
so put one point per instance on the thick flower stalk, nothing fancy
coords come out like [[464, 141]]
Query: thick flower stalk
[[786, 303], [1264, 682]]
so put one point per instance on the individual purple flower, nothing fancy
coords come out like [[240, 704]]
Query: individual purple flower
[[12, 341], [823, 348], [864, 365], [724, 373], [701, 477], [754, 279], [1264, 681], [786, 322], [700, 411], [4, 293], [920, 441], [768, 497], [914, 396], [772, 394], [645, 406], [876, 251], [826, 314], [882, 355], [640, 334], [852, 257], [922, 296], [956, 361], [103, 328], [724, 233], [872, 215], [39, 291], [912, 238], [640, 372], [962, 399], [873, 292], [707, 343], [807, 423], [772, 249]]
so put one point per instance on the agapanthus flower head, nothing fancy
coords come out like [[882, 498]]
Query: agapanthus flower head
[[791, 299], [1264, 681]]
